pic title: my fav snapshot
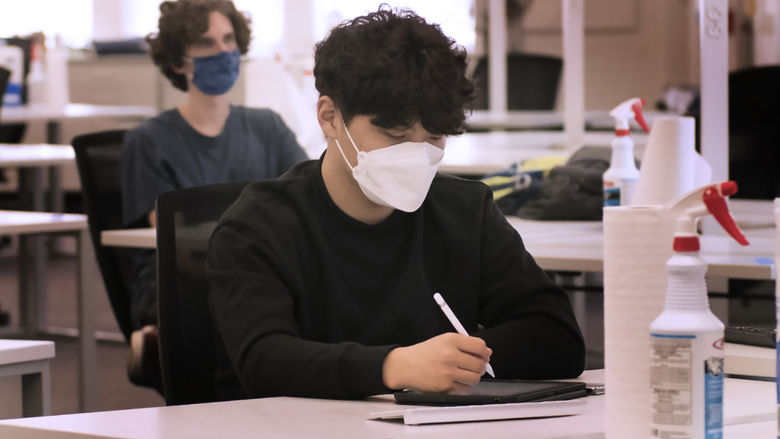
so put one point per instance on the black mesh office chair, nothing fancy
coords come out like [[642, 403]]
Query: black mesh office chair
[[97, 159], [532, 82], [185, 220], [5, 75], [754, 131]]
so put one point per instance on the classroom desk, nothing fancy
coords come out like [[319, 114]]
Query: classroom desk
[[14, 155], [32, 159], [30, 223], [53, 116], [749, 406], [579, 246], [29, 359], [551, 120], [574, 246], [485, 153]]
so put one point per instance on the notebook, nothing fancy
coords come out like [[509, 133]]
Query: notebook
[[484, 412]]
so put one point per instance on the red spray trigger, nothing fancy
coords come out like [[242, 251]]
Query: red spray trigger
[[637, 109], [714, 199]]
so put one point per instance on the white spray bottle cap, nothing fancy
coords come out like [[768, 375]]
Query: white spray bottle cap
[[688, 208], [630, 109]]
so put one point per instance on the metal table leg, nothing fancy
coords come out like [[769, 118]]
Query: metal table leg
[[87, 272]]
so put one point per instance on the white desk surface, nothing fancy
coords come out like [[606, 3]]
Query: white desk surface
[[23, 222], [745, 402], [754, 361], [26, 155], [578, 246], [595, 119], [135, 238], [485, 153], [20, 351], [19, 222], [73, 111]]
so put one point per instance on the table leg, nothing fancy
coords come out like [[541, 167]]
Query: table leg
[[36, 391], [32, 257], [87, 272]]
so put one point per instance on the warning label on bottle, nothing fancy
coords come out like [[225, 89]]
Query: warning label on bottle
[[671, 369]]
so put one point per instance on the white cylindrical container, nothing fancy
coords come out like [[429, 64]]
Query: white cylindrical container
[[620, 178], [637, 245], [58, 94], [686, 362]]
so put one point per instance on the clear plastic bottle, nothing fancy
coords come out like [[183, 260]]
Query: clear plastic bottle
[[620, 178]]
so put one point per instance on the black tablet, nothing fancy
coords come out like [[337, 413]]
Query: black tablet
[[497, 392]]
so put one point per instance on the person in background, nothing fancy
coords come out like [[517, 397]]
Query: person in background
[[205, 140], [322, 280]]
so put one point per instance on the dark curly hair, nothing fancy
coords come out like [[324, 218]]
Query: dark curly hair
[[397, 68], [181, 23]]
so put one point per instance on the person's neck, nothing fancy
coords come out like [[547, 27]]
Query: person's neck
[[206, 114], [345, 192]]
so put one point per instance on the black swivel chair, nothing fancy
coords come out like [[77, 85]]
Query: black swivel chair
[[97, 159], [532, 82], [5, 75], [185, 220]]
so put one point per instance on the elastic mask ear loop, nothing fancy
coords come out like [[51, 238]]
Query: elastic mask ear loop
[[351, 141]]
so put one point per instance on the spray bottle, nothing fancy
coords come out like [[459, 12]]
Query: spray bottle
[[620, 178], [686, 363]]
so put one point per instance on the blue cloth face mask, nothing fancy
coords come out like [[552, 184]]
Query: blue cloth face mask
[[215, 74]]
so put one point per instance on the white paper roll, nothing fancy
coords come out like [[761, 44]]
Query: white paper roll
[[637, 244], [670, 165]]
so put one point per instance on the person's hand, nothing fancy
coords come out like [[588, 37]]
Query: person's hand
[[449, 363]]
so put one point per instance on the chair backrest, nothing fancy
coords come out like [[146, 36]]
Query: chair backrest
[[97, 159], [185, 221], [754, 136], [532, 81], [5, 75]]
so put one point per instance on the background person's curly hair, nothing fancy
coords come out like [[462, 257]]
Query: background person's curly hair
[[181, 24], [397, 68]]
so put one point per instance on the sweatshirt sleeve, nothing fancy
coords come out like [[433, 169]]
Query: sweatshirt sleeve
[[528, 320], [254, 314]]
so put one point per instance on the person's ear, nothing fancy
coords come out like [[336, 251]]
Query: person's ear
[[328, 117], [184, 69]]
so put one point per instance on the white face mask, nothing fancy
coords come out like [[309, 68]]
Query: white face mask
[[396, 176]]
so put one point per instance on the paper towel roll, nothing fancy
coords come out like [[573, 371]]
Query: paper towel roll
[[637, 244], [670, 165]]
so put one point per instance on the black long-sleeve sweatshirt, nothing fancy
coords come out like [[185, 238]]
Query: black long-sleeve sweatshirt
[[308, 301]]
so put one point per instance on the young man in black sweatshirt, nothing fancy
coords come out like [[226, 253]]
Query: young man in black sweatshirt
[[323, 279]]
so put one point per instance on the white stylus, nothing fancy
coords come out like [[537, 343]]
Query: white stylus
[[456, 323]]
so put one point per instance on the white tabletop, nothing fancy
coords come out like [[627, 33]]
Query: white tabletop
[[135, 238], [579, 246], [73, 111], [284, 417], [20, 351], [576, 246], [595, 119], [749, 360], [485, 153], [26, 155], [19, 222]]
